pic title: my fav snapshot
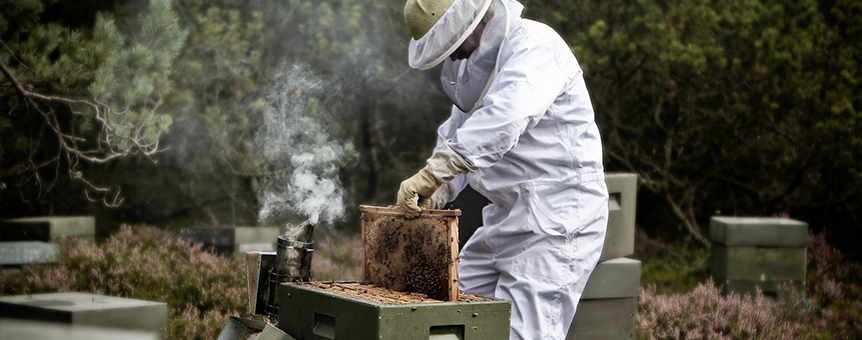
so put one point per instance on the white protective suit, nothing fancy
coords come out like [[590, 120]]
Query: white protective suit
[[534, 139]]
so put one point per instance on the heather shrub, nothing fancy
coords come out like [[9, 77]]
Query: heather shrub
[[705, 314], [834, 288], [201, 288]]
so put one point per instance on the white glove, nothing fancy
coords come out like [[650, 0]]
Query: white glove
[[415, 192]]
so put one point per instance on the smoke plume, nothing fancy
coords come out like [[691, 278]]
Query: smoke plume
[[300, 159]]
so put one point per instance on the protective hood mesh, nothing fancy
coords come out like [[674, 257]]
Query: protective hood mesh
[[447, 34]]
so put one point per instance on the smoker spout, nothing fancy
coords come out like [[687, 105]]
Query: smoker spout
[[300, 233]]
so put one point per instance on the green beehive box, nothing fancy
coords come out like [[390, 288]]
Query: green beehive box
[[88, 309], [233, 240], [757, 252], [313, 313], [758, 231], [620, 238], [25, 329], [49, 229], [608, 306], [615, 278], [757, 263], [605, 319]]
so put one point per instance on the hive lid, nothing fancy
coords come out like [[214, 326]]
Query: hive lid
[[758, 231]]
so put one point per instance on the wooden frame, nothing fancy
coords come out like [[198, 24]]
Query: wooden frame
[[411, 255]]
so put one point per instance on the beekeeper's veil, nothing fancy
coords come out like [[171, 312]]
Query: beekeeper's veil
[[464, 81], [438, 28]]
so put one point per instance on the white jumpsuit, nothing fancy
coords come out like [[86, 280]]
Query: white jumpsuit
[[539, 154]]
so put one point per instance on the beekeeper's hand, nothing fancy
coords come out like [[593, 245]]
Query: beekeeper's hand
[[415, 192]]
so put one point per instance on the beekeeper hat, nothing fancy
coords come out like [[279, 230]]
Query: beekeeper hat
[[438, 27]]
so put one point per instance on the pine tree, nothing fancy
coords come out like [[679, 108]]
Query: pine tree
[[73, 96]]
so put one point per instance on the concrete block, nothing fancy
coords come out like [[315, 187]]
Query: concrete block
[[242, 329], [604, 319], [25, 329], [757, 263], [48, 229], [758, 231], [617, 278], [620, 239], [24, 252], [88, 309]]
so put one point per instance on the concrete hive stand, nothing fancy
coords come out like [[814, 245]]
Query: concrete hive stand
[[88, 309]]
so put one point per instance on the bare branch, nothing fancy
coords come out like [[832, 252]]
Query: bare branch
[[109, 144]]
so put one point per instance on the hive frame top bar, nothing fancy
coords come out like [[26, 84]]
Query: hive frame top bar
[[397, 210]]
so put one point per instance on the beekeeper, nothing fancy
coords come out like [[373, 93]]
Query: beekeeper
[[522, 132]]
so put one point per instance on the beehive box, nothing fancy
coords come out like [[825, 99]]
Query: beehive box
[[411, 255], [233, 240], [761, 252], [49, 229], [620, 238], [354, 311], [26, 329], [608, 306], [88, 309]]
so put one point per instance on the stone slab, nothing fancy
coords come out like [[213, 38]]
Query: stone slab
[[758, 231], [26, 329], [604, 319], [620, 239], [617, 278], [88, 309], [48, 229], [23, 252], [757, 263]]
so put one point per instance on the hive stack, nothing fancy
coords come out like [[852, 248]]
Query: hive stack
[[758, 252], [233, 240], [84, 309], [35, 239], [608, 306]]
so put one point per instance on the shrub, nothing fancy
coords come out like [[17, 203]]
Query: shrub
[[705, 314], [834, 286], [200, 287]]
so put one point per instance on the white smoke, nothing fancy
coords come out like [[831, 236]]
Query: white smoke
[[300, 159]]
